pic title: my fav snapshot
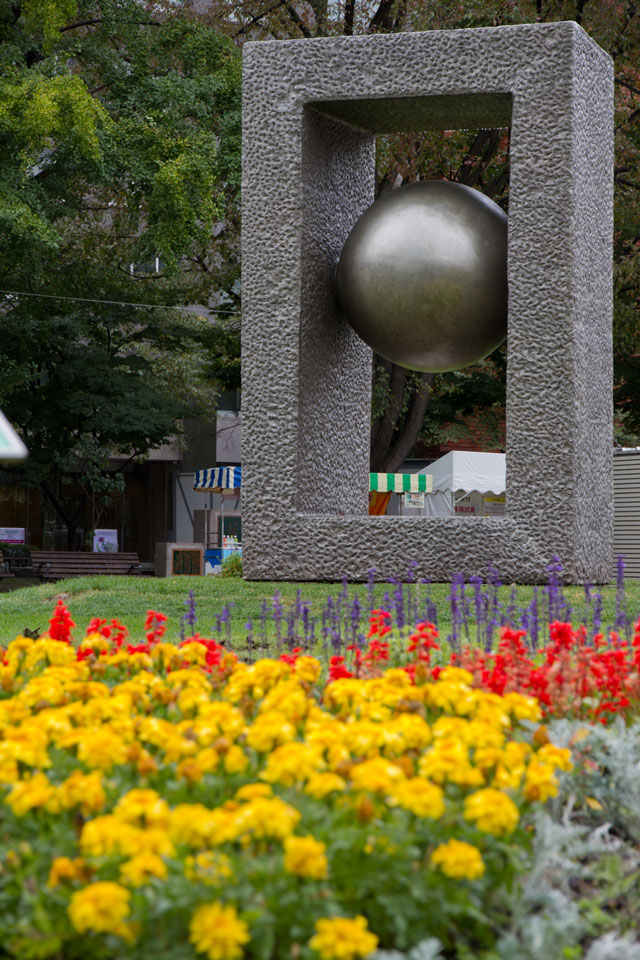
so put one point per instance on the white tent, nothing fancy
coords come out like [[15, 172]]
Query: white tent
[[461, 474]]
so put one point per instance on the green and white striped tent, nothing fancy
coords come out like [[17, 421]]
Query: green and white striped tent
[[401, 482]]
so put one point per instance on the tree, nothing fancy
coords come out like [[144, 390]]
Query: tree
[[119, 182], [407, 405]]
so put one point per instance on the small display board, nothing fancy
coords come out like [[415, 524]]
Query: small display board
[[414, 500], [186, 563], [11, 446], [105, 541], [12, 535]]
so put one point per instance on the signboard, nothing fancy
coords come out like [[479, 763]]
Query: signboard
[[105, 541], [494, 506], [12, 535], [11, 446], [414, 499]]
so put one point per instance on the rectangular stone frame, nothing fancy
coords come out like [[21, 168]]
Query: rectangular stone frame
[[311, 109]]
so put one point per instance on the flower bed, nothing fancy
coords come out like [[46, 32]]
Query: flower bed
[[171, 801]]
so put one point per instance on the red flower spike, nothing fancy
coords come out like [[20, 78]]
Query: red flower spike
[[61, 624]]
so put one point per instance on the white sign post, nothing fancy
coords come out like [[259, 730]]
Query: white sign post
[[11, 446]]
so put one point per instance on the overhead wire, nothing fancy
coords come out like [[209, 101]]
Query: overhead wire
[[115, 303]]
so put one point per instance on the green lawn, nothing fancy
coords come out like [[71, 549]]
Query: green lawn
[[129, 598]]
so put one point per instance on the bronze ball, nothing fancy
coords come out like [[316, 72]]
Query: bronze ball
[[422, 277]]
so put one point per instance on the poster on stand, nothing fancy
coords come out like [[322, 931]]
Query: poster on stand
[[105, 541]]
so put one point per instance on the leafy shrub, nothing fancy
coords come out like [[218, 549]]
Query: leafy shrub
[[231, 566]]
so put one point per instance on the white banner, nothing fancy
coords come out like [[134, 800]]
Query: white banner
[[414, 500]]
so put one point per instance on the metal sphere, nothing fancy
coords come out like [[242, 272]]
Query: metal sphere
[[422, 277]]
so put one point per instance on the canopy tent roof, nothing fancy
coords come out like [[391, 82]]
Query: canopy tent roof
[[467, 470], [218, 479], [399, 483]]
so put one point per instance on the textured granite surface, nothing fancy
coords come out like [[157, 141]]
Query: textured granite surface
[[310, 112]]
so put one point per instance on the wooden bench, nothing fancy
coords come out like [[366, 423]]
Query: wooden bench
[[59, 564], [4, 568]]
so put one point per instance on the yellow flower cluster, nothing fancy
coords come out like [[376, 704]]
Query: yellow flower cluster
[[146, 739]]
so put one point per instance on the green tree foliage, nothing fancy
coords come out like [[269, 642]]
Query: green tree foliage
[[119, 183]]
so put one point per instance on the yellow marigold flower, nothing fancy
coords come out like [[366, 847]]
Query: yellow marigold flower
[[96, 642], [344, 693], [288, 698], [143, 807], [36, 791], [107, 834], [210, 867], [343, 938], [421, 797], [522, 707], [235, 760], [557, 757], [139, 869], [194, 653], [63, 868], [251, 791], [363, 738], [151, 840], [102, 748], [456, 675], [266, 818], [455, 698], [190, 698], [448, 760], [378, 774], [458, 860], [321, 784], [539, 782], [82, 790], [217, 930], [493, 811], [306, 857], [291, 763], [308, 669], [101, 908], [407, 732], [269, 730]]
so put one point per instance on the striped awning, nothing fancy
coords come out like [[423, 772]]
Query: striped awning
[[401, 482], [218, 479]]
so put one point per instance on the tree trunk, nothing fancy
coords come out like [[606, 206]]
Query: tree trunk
[[385, 426], [410, 431]]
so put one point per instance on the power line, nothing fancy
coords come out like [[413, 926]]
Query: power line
[[114, 303]]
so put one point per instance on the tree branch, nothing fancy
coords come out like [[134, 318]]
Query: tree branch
[[91, 23], [250, 23]]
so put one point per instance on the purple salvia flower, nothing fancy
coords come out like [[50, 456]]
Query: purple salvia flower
[[511, 612], [597, 612], [278, 613], [249, 628], [534, 621], [398, 604], [264, 614], [621, 621], [371, 576], [356, 613]]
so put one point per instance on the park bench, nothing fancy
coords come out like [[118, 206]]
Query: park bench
[[59, 564], [4, 568]]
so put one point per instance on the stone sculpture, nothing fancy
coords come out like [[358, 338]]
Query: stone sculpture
[[311, 111]]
